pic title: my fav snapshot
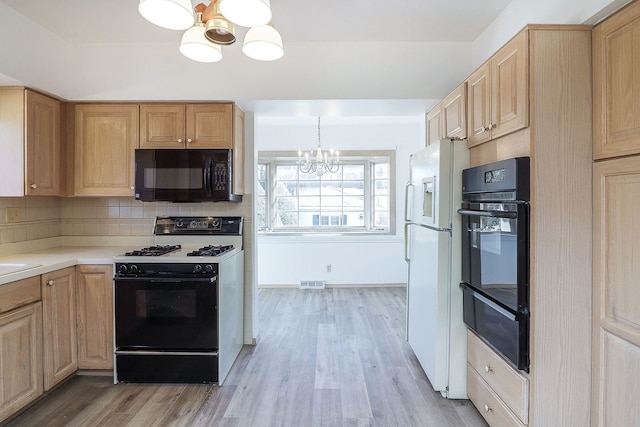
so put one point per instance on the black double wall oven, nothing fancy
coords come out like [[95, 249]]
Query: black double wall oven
[[495, 255]]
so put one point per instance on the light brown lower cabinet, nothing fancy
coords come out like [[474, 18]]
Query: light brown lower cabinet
[[20, 358], [95, 316], [59, 325], [499, 391]]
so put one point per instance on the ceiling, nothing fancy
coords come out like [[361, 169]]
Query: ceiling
[[81, 22], [118, 21]]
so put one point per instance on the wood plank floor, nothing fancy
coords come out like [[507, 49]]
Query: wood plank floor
[[333, 357]]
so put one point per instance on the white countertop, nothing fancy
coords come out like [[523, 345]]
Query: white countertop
[[46, 260]]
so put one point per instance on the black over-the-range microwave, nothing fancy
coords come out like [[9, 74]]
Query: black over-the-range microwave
[[184, 175]]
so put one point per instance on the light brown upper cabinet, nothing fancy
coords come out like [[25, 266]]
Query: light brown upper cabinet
[[454, 113], [616, 91], [31, 143], [106, 136], [498, 99], [186, 125], [434, 124]]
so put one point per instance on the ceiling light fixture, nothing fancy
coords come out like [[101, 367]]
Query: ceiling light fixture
[[318, 163], [213, 27]]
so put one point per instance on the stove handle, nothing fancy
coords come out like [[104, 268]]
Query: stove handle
[[210, 279], [494, 214]]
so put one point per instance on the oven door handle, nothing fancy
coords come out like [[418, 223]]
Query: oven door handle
[[208, 279], [494, 214], [506, 313]]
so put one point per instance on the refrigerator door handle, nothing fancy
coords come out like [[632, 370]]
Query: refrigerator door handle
[[408, 194], [406, 242]]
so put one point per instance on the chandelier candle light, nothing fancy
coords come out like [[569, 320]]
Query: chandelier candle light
[[213, 27], [320, 162]]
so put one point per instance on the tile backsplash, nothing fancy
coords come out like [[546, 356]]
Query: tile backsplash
[[31, 218]]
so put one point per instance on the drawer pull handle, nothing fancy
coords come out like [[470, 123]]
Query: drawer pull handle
[[487, 408], [488, 368]]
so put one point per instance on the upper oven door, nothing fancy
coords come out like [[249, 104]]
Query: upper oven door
[[183, 175], [166, 314], [495, 254]]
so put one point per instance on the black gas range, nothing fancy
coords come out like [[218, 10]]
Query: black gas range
[[179, 303]]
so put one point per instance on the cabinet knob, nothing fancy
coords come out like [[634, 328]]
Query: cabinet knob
[[488, 368], [180, 140], [483, 129], [491, 126], [50, 282], [34, 186], [487, 408], [189, 140]]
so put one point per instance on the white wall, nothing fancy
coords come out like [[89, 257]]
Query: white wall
[[522, 12], [357, 260]]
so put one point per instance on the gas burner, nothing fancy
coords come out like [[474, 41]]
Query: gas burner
[[211, 250], [156, 250]]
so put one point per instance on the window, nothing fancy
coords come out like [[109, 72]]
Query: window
[[354, 199]]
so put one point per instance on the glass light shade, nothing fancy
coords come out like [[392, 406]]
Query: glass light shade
[[170, 14], [263, 43], [246, 13], [195, 46]]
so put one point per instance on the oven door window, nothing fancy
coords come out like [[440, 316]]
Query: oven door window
[[495, 252], [166, 315]]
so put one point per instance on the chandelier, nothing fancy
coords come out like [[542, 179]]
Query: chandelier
[[318, 163], [213, 27]]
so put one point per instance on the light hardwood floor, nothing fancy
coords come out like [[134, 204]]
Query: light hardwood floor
[[334, 357]]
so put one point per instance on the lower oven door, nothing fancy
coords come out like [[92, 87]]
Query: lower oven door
[[506, 331], [166, 314]]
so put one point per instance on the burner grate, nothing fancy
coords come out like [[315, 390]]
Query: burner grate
[[211, 250], [156, 250]]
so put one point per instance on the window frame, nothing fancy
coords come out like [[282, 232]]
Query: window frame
[[367, 157]]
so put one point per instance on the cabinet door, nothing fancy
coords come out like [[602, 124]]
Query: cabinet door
[[238, 150], [479, 105], [95, 316], [162, 126], [616, 87], [434, 124], [106, 137], [454, 113], [42, 140], [616, 294], [20, 357], [509, 86], [209, 125], [59, 324]]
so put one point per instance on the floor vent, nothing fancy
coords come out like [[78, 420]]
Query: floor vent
[[312, 284]]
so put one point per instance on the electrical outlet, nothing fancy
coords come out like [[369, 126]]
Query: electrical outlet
[[328, 268], [14, 215]]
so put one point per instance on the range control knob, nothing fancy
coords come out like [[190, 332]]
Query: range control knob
[[197, 268], [122, 268], [133, 268], [208, 268]]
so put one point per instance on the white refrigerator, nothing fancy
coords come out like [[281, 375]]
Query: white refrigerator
[[435, 328]]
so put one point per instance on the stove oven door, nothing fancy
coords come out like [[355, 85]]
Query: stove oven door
[[166, 314]]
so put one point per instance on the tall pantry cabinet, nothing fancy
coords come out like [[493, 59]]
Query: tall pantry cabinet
[[616, 232], [555, 132]]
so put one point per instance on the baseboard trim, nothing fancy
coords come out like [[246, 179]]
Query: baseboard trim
[[337, 285]]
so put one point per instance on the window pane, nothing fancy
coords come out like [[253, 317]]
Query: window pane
[[381, 203], [331, 188], [286, 172], [353, 172], [331, 203], [381, 171], [310, 188], [381, 219], [353, 188], [310, 203], [382, 187]]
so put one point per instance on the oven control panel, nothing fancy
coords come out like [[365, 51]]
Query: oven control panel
[[165, 270], [201, 225]]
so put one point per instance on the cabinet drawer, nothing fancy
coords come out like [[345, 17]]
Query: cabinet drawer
[[21, 292], [508, 383], [490, 406]]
